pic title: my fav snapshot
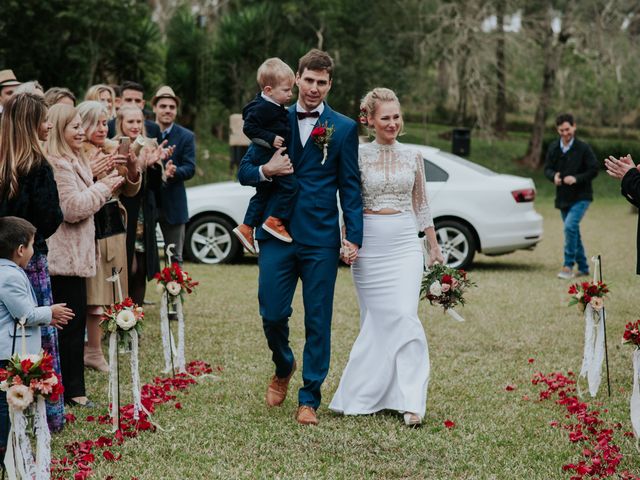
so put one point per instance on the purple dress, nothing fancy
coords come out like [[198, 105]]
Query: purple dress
[[38, 273]]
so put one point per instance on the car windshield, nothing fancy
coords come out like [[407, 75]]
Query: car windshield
[[467, 163]]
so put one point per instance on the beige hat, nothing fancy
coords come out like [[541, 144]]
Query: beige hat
[[165, 92], [8, 79]]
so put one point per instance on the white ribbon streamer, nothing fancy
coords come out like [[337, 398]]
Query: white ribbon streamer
[[19, 461], [164, 330], [453, 314], [43, 441], [180, 361], [113, 379], [635, 395], [135, 376], [168, 347], [593, 355]]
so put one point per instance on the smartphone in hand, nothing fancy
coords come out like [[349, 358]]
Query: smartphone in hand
[[123, 146]]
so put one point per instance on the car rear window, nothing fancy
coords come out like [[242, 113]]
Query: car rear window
[[467, 163], [434, 173]]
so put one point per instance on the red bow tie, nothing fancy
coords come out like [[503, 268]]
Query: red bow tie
[[303, 115]]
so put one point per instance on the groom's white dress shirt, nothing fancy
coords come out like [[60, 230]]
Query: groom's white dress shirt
[[305, 125]]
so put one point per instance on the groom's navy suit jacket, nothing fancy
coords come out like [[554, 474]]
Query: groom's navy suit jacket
[[314, 221]]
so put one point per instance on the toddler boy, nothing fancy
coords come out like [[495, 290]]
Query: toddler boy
[[266, 123]]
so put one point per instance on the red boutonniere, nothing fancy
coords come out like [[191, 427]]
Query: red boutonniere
[[321, 136]]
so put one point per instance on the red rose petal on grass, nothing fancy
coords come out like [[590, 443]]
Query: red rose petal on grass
[[510, 388], [69, 417], [629, 434], [531, 360], [178, 406], [90, 418], [110, 456], [449, 424], [553, 423]]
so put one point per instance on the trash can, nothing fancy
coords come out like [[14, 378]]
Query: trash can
[[461, 142]]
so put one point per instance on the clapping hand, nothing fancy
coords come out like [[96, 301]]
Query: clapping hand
[[169, 169], [100, 164], [60, 315], [618, 167], [166, 152], [112, 181]]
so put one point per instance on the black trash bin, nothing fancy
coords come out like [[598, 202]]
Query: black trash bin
[[461, 142]]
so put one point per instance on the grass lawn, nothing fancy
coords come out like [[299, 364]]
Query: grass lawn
[[224, 430]]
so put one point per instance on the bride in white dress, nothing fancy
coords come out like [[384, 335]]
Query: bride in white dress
[[388, 368]]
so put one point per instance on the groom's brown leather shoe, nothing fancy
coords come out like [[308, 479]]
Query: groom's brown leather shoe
[[277, 389], [306, 415]]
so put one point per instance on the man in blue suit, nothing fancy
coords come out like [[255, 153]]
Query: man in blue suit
[[323, 164], [179, 167]]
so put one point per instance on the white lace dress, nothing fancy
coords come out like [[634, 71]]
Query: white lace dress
[[388, 366]]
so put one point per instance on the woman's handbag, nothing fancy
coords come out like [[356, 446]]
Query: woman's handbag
[[108, 220]]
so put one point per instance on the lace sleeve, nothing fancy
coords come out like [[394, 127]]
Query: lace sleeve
[[419, 197]]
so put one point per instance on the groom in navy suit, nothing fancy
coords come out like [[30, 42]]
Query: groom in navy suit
[[323, 166]]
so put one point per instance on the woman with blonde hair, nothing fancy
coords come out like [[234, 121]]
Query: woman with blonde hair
[[59, 95], [103, 157], [142, 251], [72, 249], [387, 273], [104, 94], [28, 190]]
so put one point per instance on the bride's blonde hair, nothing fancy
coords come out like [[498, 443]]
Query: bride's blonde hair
[[370, 102]]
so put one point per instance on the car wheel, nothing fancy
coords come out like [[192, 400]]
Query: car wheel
[[210, 240], [457, 243]]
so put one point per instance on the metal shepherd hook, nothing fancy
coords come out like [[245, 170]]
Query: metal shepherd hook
[[604, 324], [169, 253]]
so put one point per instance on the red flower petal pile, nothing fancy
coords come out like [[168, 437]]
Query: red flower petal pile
[[601, 457], [81, 454]]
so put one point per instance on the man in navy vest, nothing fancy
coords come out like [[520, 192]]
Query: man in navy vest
[[324, 165], [178, 168]]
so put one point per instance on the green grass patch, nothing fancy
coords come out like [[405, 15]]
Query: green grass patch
[[518, 311]]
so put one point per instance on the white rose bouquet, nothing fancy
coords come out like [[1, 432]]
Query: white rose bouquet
[[123, 317]]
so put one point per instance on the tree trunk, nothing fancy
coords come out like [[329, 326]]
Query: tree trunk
[[500, 125], [461, 110], [552, 51], [533, 157]]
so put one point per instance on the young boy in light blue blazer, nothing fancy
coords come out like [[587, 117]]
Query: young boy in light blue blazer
[[18, 302]]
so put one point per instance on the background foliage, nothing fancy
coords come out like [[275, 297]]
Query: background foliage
[[495, 66]]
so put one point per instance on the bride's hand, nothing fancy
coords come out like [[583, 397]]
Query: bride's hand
[[348, 252], [435, 256]]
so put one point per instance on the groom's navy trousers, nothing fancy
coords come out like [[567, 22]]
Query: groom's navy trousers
[[281, 265], [313, 255]]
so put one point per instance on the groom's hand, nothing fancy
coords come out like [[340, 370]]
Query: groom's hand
[[278, 165], [350, 252]]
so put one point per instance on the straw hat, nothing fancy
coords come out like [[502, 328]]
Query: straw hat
[[165, 92], [8, 79]]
